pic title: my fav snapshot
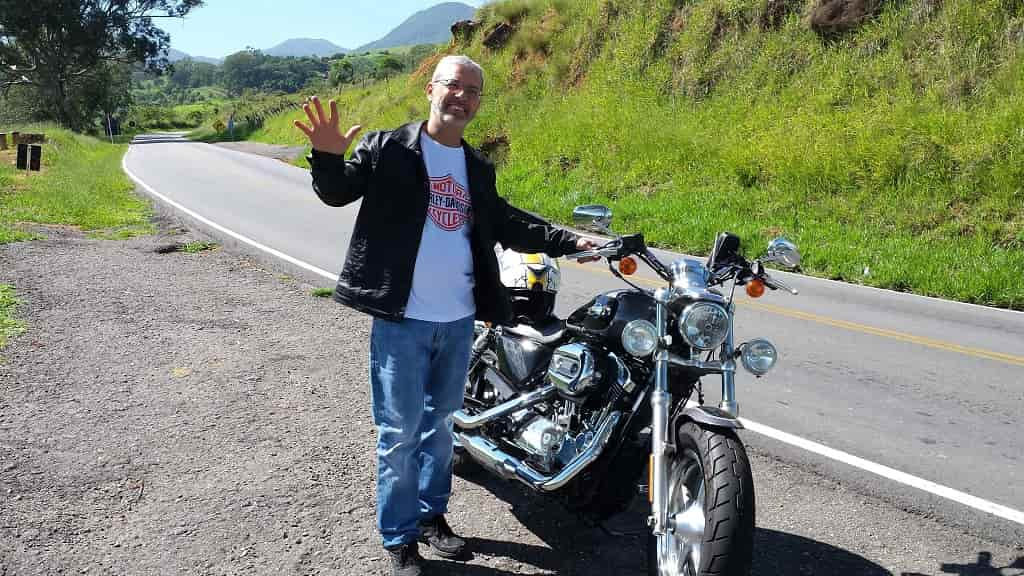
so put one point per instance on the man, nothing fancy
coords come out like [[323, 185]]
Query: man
[[421, 261]]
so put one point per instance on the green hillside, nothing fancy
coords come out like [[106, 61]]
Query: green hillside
[[892, 152]]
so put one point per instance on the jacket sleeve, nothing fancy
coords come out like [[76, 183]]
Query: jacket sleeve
[[524, 232], [338, 181]]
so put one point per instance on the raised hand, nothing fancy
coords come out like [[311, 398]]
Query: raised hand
[[323, 131]]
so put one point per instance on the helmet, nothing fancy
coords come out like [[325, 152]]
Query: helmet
[[532, 281]]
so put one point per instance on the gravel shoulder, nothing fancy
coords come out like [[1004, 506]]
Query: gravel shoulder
[[202, 414], [277, 151]]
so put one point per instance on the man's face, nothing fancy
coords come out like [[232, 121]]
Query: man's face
[[455, 95]]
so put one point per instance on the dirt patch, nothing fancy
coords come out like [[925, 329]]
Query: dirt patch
[[833, 18], [495, 148], [498, 36], [463, 31]]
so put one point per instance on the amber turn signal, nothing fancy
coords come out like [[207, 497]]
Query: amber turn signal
[[755, 288], [627, 266]]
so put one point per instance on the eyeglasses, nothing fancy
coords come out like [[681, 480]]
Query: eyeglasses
[[455, 86]]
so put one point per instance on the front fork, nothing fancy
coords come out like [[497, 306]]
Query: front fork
[[661, 404]]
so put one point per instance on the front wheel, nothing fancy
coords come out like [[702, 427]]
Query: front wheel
[[710, 507]]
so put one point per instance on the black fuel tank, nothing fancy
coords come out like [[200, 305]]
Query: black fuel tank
[[607, 314], [519, 357]]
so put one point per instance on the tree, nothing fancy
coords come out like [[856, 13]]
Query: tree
[[62, 48], [342, 72], [388, 66], [417, 53], [188, 73], [253, 70], [241, 70]]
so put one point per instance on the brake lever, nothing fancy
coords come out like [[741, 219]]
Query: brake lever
[[605, 251], [777, 284]]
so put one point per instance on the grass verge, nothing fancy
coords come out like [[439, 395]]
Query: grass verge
[[9, 325], [81, 184]]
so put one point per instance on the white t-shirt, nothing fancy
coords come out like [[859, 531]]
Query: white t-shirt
[[442, 281]]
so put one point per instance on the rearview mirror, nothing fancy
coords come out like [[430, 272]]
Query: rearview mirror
[[593, 218], [784, 252]]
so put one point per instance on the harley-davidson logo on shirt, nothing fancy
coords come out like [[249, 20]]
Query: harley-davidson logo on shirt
[[450, 206]]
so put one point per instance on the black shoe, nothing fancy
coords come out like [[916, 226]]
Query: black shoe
[[405, 560], [439, 535]]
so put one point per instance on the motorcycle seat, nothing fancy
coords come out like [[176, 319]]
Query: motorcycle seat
[[548, 331]]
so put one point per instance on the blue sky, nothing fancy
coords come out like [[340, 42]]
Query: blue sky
[[222, 27]]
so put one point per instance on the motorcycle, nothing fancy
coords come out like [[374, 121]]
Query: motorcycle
[[581, 408]]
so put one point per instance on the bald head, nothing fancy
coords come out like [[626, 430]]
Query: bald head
[[445, 66]]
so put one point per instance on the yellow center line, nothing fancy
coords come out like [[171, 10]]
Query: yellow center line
[[854, 326]]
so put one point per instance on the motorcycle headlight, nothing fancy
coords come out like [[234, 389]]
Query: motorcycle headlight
[[704, 325], [758, 356], [640, 338]]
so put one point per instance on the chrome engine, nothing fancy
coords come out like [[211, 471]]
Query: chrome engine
[[558, 427], [554, 433], [551, 441]]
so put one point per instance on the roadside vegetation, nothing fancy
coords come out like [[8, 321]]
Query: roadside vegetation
[[888, 145], [81, 184], [9, 325], [198, 246]]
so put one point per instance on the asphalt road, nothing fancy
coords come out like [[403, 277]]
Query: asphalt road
[[928, 388]]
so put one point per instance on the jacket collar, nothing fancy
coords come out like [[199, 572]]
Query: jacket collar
[[408, 135]]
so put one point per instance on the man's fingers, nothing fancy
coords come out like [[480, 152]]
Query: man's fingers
[[309, 114], [305, 129], [352, 132], [333, 120], [319, 110]]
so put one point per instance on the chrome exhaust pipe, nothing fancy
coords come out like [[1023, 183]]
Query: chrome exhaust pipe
[[511, 468], [467, 422]]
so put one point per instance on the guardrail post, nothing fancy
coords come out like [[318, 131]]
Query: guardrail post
[[22, 156], [35, 158]]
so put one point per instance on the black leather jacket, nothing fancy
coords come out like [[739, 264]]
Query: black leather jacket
[[387, 171]]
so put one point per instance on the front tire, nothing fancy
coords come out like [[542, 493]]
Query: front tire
[[710, 505]]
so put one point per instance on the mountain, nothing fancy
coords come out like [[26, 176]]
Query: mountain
[[175, 55], [430, 26], [305, 47]]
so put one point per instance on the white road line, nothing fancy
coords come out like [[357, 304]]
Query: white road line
[[809, 445], [887, 472], [232, 233]]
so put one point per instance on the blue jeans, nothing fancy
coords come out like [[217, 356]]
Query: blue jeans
[[417, 376]]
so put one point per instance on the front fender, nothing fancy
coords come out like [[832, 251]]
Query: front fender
[[707, 415]]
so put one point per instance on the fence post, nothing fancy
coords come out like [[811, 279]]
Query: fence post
[[36, 157], [22, 157], [3, 141], [15, 138]]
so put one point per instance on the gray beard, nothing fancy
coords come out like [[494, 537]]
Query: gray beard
[[437, 110]]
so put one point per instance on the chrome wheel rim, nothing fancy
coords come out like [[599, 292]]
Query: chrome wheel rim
[[679, 549]]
